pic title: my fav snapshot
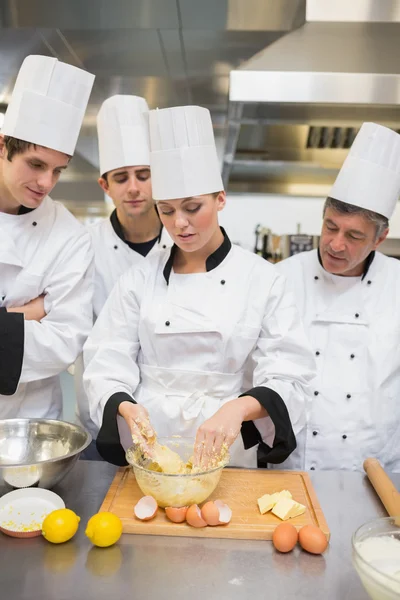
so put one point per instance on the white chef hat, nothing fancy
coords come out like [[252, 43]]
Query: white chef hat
[[123, 132], [370, 175], [183, 157], [48, 103]]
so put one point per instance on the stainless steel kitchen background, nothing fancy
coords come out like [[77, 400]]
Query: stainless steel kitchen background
[[288, 82]]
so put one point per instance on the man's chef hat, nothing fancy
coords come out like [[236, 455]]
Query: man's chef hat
[[123, 131], [183, 157], [370, 175], [48, 103]]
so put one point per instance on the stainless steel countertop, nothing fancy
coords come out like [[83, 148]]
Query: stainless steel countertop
[[147, 567]]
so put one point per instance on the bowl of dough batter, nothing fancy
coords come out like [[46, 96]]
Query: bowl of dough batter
[[376, 557], [170, 476]]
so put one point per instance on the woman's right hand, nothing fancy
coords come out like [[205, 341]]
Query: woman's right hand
[[138, 421]]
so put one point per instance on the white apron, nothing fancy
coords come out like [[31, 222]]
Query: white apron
[[181, 349], [112, 258], [46, 251], [354, 328]]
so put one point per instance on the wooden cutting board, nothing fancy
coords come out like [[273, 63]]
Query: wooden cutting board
[[239, 488]]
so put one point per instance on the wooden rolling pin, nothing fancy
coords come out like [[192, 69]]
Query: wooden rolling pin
[[383, 486]]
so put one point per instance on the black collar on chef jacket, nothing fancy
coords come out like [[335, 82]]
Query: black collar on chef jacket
[[23, 210], [367, 265], [142, 248], [212, 261]]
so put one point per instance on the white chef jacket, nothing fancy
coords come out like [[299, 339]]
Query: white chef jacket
[[44, 251], [179, 344], [112, 258], [353, 324]]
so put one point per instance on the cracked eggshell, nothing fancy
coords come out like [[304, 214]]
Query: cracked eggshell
[[146, 508], [210, 513], [225, 513], [175, 514], [194, 518]]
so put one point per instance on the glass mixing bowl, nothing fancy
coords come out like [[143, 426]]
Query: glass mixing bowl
[[379, 568], [170, 489]]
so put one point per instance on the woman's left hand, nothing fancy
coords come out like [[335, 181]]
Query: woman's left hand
[[217, 434]]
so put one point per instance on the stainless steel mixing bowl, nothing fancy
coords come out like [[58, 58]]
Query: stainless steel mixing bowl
[[38, 452]]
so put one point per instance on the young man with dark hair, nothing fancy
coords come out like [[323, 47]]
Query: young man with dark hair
[[133, 231], [46, 258]]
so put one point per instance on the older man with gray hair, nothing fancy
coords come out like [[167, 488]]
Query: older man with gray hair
[[348, 295]]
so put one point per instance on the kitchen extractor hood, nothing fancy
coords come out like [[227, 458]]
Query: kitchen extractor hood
[[296, 106]]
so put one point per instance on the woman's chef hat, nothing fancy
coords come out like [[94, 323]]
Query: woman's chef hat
[[183, 157], [48, 103], [370, 175], [123, 131]]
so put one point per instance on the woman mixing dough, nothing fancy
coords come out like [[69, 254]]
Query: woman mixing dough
[[171, 348]]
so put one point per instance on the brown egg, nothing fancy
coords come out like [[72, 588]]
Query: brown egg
[[146, 508], [176, 515], [285, 537], [312, 539], [194, 518], [210, 513]]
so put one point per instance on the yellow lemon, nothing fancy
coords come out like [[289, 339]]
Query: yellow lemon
[[60, 526], [104, 529]]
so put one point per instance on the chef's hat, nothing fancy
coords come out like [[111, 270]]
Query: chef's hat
[[183, 157], [123, 131], [48, 103], [370, 175]]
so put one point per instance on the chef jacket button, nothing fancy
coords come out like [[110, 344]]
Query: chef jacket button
[[164, 246], [348, 396], [369, 282], [3, 297], [352, 356], [344, 436], [315, 432], [312, 468], [317, 353], [223, 281], [316, 393], [356, 315], [167, 323], [34, 223], [316, 277], [115, 247]]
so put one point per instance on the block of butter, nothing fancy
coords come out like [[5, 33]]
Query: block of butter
[[268, 501], [286, 508]]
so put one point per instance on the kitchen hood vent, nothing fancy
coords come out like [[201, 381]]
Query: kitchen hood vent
[[331, 137], [296, 106]]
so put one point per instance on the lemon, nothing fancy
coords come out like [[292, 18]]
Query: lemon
[[60, 526], [104, 529]]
